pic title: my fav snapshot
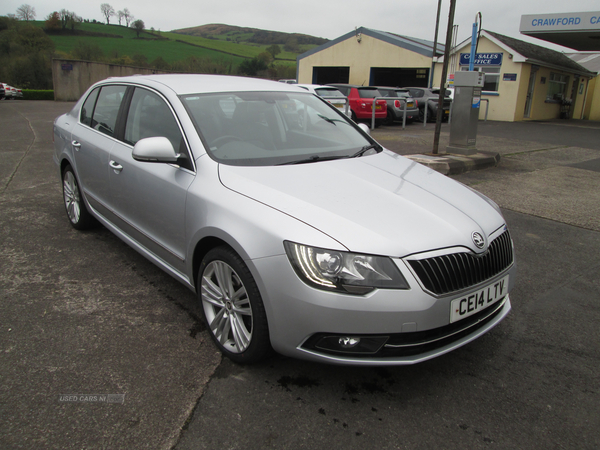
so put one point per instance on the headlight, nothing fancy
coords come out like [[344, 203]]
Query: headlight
[[346, 272]]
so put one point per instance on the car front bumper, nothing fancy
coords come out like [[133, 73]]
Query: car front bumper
[[400, 327]]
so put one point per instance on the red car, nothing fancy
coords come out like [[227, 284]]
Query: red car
[[361, 102]]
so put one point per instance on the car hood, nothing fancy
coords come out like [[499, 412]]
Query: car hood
[[380, 204]]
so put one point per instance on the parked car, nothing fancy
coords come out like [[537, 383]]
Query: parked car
[[395, 108], [9, 92], [2, 91], [426, 97], [18, 93], [361, 102], [331, 94], [312, 241]]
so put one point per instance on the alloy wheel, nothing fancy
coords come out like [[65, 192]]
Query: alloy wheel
[[226, 306], [72, 197]]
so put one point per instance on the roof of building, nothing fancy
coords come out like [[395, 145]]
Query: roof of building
[[589, 60], [537, 53], [416, 45], [521, 51]]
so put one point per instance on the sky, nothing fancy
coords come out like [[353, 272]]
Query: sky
[[328, 19]]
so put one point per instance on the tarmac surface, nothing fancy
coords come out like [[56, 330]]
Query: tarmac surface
[[100, 349]]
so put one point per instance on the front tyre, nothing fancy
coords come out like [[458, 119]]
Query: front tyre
[[78, 214], [232, 307]]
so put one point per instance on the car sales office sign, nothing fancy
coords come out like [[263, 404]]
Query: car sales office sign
[[482, 59]]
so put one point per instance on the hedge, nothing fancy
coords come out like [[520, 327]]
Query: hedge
[[37, 94]]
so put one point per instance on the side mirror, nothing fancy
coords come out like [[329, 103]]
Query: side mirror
[[365, 128], [155, 149]]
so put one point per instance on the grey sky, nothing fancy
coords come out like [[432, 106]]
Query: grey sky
[[328, 19]]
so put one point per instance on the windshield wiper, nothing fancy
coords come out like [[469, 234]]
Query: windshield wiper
[[311, 159], [366, 148], [327, 119]]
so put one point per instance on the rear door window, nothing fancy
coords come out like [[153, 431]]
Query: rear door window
[[107, 107], [87, 109]]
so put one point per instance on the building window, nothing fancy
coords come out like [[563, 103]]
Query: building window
[[492, 77], [557, 87]]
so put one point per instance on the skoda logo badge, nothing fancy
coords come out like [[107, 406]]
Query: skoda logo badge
[[478, 239]]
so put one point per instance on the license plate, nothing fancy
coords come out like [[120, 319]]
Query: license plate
[[339, 105], [467, 305], [377, 107], [410, 105]]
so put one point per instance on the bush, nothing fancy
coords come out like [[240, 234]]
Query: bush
[[37, 94]]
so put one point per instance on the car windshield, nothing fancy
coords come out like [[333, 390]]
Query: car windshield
[[270, 128]]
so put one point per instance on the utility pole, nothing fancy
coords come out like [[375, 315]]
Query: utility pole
[[435, 38], [438, 122]]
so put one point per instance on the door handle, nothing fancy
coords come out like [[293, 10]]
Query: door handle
[[76, 145], [115, 166]]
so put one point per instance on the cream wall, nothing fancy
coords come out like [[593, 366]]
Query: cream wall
[[592, 106], [360, 57], [509, 103]]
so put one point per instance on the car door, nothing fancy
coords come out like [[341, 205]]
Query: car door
[[92, 138], [148, 198]]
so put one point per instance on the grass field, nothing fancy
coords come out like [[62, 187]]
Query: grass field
[[164, 44]]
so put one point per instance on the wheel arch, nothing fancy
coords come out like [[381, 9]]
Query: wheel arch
[[203, 246]]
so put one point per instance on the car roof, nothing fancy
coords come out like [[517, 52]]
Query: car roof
[[351, 86], [314, 87], [182, 84]]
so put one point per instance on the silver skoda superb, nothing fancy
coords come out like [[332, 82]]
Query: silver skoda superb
[[298, 232]]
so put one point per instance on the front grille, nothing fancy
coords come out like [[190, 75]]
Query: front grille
[[457, 271]]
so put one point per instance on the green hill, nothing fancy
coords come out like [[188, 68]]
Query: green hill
[[222, 35], [27, 48], [221, 43]]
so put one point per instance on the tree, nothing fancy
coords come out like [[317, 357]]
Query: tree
[[139, 26], [160, 64], [252, 66], [68, 19], [74, 21], [120, 15], [25, 54], [53, 21], [108, 11], [127, 16], [140, 60], [265, 57], [274, 50], [291, 45], [26, 12]]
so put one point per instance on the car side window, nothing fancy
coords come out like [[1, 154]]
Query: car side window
[[150, 116], [107, 108], [87, 110]]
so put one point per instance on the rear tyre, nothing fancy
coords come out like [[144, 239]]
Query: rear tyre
[[232, 307], [77, 213], [389, 119]]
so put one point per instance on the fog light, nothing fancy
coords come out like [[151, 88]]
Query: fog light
[[366, 345], [348, 342]]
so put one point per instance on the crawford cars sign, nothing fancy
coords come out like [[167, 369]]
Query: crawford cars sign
[[583, 21]]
